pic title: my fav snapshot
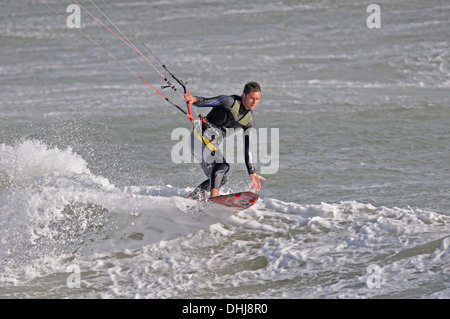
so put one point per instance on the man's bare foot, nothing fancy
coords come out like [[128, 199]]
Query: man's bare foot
[[214, 193]]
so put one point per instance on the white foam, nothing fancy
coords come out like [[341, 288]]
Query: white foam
[[151, 242], [34, 159]]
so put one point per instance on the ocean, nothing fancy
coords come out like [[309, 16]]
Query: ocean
[[355, 108]]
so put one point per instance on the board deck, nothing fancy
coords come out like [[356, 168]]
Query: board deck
[[240, 200]]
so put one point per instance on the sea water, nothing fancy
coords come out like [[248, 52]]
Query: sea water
[[92, 204]]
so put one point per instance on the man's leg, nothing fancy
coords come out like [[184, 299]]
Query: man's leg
[[218, 178], [214, 166], [201, 191]]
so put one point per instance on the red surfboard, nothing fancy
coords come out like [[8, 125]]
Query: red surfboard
[[241, 200]]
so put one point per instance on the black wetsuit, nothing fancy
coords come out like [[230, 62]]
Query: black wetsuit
[[227, 112]]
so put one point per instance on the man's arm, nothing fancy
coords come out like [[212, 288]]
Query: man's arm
[[225, 101], [255, 178]]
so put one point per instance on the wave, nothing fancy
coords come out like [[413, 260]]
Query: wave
[[52, 205], [150, 241]]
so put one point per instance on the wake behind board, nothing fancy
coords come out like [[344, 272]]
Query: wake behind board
[[242, 200]]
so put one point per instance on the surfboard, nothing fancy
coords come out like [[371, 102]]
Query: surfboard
[[240, 201]]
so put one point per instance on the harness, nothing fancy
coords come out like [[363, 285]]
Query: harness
[[197, 133], [244, 120]]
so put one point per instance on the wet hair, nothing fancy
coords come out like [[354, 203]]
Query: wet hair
[[252, 87]]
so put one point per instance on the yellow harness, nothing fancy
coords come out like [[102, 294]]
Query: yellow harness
[[196, 131]]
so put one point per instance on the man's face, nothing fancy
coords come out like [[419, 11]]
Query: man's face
[[251, 100]]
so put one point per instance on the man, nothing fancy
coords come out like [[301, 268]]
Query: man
[[228, 112]]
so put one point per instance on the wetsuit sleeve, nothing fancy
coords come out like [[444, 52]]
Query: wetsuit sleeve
[[224, 101], [248, 153]]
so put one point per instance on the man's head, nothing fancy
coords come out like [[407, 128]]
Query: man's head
[[251, 95]]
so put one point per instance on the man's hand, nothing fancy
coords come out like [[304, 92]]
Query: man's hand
[[190, 99], [256, 180]]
